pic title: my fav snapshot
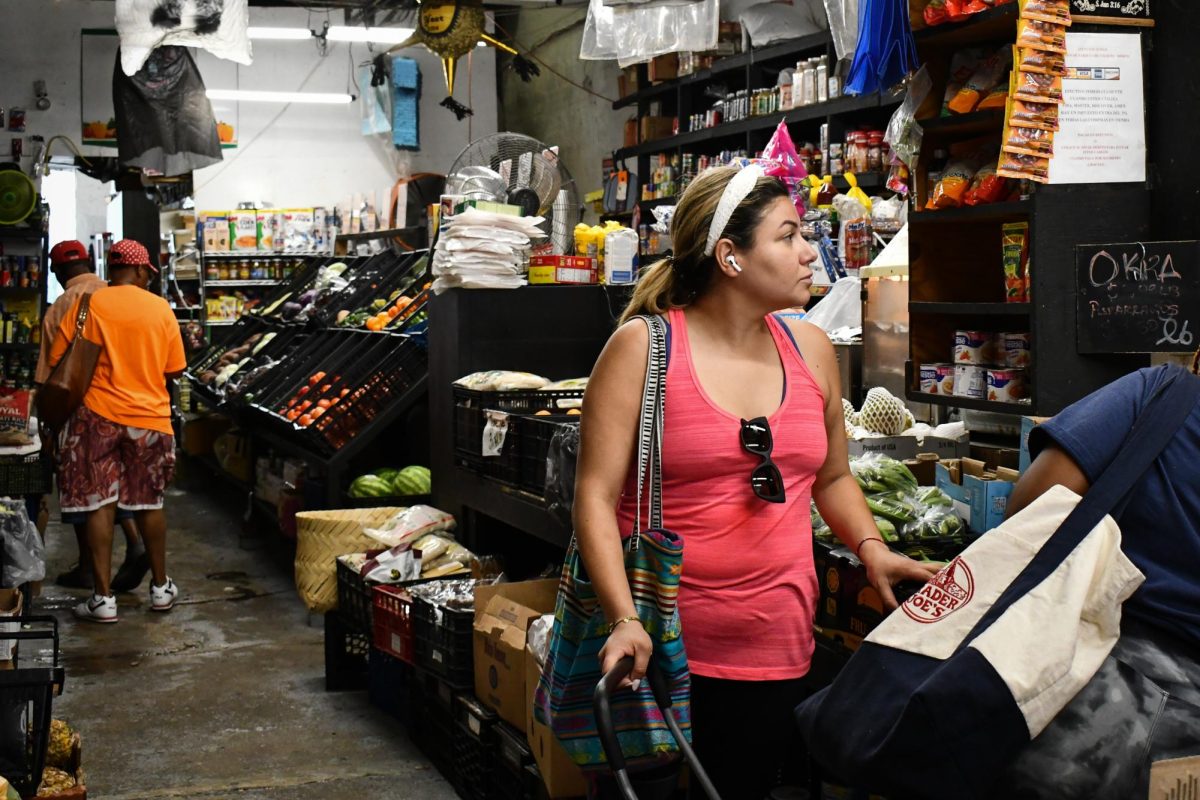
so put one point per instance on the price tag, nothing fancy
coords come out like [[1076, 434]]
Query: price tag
[[474, 725]]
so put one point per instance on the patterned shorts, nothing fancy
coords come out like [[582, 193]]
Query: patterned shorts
[[101, 462]]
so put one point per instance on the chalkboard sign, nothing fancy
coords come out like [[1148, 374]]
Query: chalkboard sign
[[1119, 9], [1137, 297]]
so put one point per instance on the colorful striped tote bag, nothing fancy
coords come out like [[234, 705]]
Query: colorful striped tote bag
[[653, 563]]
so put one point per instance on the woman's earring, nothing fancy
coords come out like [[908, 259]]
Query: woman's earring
[[731, 261]]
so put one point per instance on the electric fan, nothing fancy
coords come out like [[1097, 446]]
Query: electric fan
[[18, 195], [528, 172]]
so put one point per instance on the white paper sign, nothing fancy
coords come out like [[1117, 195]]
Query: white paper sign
[[1102, 134]]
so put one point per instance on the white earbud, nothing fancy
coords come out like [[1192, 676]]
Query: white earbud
[[731, 261]]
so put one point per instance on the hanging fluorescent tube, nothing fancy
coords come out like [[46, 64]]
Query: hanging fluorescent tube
[[278, 97], [346, 33], [294, 34]]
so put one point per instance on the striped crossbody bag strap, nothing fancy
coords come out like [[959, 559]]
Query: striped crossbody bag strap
[[650, 431]]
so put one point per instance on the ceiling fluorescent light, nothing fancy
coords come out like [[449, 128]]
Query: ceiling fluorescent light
[[346, 33], [278, 97], [297, 34]]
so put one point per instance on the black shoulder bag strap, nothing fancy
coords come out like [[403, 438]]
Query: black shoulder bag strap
[[1173, 401]]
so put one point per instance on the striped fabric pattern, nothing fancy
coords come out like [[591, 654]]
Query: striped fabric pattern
[[572, 670]]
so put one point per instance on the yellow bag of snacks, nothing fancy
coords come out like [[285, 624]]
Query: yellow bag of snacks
[[1028, 141], [1035, 88], [1022, 167], [1014, 255], [952, 188], [996, 98], [1056, 11], [1033, 115], [982, 79], [1040, 35], [1039, 61]]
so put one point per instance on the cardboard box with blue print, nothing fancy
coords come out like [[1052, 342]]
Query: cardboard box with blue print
[[503, 614], [1027, 426], [905, 447], [980, 495]]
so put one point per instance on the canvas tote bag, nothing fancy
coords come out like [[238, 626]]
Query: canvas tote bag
[[945, 693]]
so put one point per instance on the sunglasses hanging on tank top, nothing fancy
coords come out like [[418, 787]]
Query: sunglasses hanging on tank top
[[765, 480]]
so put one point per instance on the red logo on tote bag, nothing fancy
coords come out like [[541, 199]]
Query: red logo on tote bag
[[946, 592]]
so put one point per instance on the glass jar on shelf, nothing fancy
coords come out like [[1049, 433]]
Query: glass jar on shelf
[[875, 151]]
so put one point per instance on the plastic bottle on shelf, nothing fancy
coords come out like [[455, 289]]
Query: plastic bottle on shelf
[[822, 80]]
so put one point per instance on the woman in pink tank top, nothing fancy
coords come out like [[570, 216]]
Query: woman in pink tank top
[[753, 430]]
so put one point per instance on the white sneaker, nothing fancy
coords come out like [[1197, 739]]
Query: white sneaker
[[98, 608], [162, 598]]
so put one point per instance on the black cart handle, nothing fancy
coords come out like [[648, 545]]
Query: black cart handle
[[601, 705]]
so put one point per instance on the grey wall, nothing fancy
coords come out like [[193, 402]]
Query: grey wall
[[585, 127]]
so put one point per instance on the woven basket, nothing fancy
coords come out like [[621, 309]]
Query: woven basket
[[322, 536]]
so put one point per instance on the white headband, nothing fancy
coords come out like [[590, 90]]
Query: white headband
[[735, 192]]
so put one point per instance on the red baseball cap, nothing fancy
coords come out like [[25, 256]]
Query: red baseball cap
[[67, 252], [128, 253]]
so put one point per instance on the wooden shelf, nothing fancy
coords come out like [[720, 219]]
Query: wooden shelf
[[972, 309], [963, 125], [984, 213], [1020, 409], [992, 25]]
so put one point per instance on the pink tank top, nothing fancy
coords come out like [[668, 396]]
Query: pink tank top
[[749, 588]]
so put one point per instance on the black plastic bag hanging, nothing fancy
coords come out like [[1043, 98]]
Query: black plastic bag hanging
[[165, 123], [886, 51]]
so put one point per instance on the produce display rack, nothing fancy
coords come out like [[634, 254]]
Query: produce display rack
[[292, 364], [955, 259]]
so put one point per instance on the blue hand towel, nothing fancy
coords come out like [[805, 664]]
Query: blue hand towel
[[406, 101]]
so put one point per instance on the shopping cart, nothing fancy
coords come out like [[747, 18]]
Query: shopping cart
[[629, 785]]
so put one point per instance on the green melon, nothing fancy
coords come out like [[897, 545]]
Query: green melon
[[370, 486], [412, 480]]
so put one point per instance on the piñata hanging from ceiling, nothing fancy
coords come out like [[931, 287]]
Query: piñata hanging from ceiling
[[450, 31]]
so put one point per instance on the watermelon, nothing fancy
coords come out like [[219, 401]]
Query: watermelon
[[387, 473], [412, 480], [370, 486]]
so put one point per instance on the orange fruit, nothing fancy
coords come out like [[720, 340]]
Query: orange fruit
[[317, 412], [316, 378], [344, 392], [305, 406], [292, 415], [304, 421], [373, 324], [393, 312], [323, 404]]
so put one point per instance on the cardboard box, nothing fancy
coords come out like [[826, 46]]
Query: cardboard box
[[489, 206], [503, 614], [1167, 777], [663, 68], [216, 231], [1027, 426], [243, 231], [561, 776], [631, 133], [628, 81], [923, 468], [656, 128], [980, 497], [563, 269], [906, 447]]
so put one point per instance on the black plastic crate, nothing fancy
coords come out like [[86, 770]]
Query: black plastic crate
[[473, 731], [510, 758], [444, 642], [535, 436], [535, 787], [390, 685], [433, 721], [470, 419], [24, 475], [26, 702], [354, 600], [345, 656]]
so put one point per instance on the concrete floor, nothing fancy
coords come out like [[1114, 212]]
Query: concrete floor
[[223, 697]]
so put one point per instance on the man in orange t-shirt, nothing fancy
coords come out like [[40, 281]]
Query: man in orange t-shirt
[[120, 443]]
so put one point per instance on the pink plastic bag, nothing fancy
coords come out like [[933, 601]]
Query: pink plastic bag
[[785, 164]]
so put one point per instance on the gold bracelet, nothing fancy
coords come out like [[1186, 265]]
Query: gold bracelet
[[612, 626]]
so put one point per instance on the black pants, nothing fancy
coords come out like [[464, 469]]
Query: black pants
[[745, 735]]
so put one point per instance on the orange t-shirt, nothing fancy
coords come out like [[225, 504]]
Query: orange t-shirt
[[142, 343]]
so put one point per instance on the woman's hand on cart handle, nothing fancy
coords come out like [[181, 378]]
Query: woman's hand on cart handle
[[886, 568], [627, 639]]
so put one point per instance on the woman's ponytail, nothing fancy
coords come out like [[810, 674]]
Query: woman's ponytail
[[653, 293]]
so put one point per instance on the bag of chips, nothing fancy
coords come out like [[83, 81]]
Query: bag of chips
[[1028, 141], [1056, 11], [996, 98], [1022, 167], [1039, 35], [1039, 61], [1035, 88], [1027, 114], [952, 187], [962, 67], [986, 187], [983, 79]]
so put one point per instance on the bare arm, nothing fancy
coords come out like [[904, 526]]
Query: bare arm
[[608, 438], [837, 494], [1052, 467]]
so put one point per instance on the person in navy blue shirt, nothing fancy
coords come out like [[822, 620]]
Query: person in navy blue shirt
[[1144, 704]]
